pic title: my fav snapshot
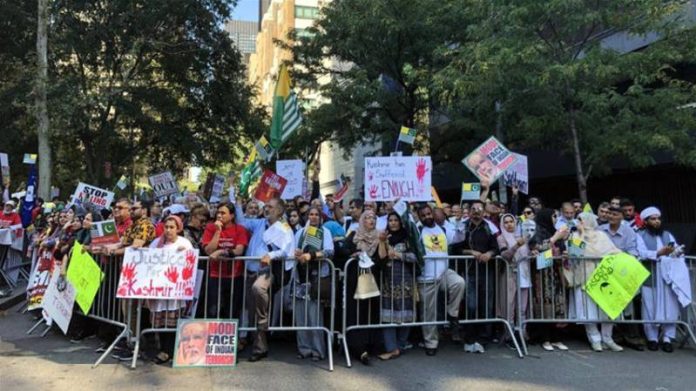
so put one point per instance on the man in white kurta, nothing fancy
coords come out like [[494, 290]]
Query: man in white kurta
[[668, 288]]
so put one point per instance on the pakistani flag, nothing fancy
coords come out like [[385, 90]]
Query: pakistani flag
[[122, 182], [286, 113], [407, 135], [263, 148]]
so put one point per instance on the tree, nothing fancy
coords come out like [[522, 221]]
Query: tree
[[380, 56], [561, 87], [41, 104]]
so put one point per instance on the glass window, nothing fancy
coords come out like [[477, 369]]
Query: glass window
[[302, 12]]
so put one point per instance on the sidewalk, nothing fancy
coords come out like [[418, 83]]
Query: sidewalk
[[53, 363]]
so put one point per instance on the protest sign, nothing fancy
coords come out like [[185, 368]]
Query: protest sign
[[405, 177], [4, 169], [163, 184], [205, 343], [471, 191], [263, 148], [58, 301], [40, 277], [576, 248], [489, 160], [293, 172], [104, 232], [85, 275], [29, 158], [544, 259], [615, 281], [122, 182], [341, 193], [270, 186], [85, 193], [212, 190], [518, 174], [158, 273]]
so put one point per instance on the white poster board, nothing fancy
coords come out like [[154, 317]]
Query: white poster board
[[96, 196], [163, 184], [394, 177], [518, 174], [293, 171], [158, 273], [58, 304]]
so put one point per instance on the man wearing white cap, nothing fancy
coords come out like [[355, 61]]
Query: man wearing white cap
[[668, 287]]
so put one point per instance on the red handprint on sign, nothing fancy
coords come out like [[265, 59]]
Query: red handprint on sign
[[187, 273], [172, 274], [128, 272], [373, 191], [421, 169], [190, 258]]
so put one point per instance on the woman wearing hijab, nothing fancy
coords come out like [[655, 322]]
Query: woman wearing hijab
[[550, 290], [509, 241], [310, 282], [164, 313], [398, 285], [597, 246], [365, 239]]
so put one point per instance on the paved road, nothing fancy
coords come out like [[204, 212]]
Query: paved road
[[53, 363]]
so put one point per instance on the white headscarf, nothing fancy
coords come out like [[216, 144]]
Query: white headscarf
[[597, 242], [509, 237], [648, 212]]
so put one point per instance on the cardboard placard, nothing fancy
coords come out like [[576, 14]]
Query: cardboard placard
[[158, 273], [405, 177], [206, 343], [163, 184], [489, 160]]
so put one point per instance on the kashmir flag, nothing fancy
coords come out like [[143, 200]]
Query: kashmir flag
[[250, 173], [587, 208], [407, 135], [286, 112]]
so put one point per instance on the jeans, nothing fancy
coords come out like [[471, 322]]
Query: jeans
[[395, 338]]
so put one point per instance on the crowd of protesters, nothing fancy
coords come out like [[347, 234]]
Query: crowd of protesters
[[408, 250]]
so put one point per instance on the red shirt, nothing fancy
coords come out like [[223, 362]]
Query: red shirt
[[123, 226], [230, 237], [159, 229], [7, 220]]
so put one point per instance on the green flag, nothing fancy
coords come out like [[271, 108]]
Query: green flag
[[286, 112]]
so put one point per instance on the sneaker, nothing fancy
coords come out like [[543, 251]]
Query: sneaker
[[469, 347], [596, 346], [123, 355], [547, 346], [613, 346], [560, 346], [478, 348], [667, 347], [407, 346]]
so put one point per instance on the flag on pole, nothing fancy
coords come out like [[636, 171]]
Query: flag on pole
[[263, 148], [407, 135], [286, 112], [122, 182], [587, 208], [29, 199]]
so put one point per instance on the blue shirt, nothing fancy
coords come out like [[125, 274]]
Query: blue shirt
[[624, 238]]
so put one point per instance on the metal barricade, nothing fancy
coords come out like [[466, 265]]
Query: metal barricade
[[293, 304], [557, 296], [468, 287]]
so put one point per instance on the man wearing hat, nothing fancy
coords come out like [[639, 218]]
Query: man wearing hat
[[668, 288], [8, 216]]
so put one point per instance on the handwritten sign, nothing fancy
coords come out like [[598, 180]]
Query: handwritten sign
[[270, 186], [163, 184], [212, 190], [490, 160], [293, 172], [40, 277], [615, 281], [206, 343], [96, 196], [30, 158], [85, 275], [518, 175], [405, 177], [58, 301], [157, 273], [104, 232]]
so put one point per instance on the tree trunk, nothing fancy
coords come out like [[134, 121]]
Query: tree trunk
[[43, 131], [580, 175]]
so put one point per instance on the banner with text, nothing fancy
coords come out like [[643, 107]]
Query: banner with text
[[490, 160], [157, 273], [104, 232], [270, 186], [39, 279], [58, 301], [163, 184], [206, 343], [404, 177], [96, 196]]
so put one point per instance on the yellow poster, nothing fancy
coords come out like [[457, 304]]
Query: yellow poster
[[85, 275], [615, 281], [435, 243]]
